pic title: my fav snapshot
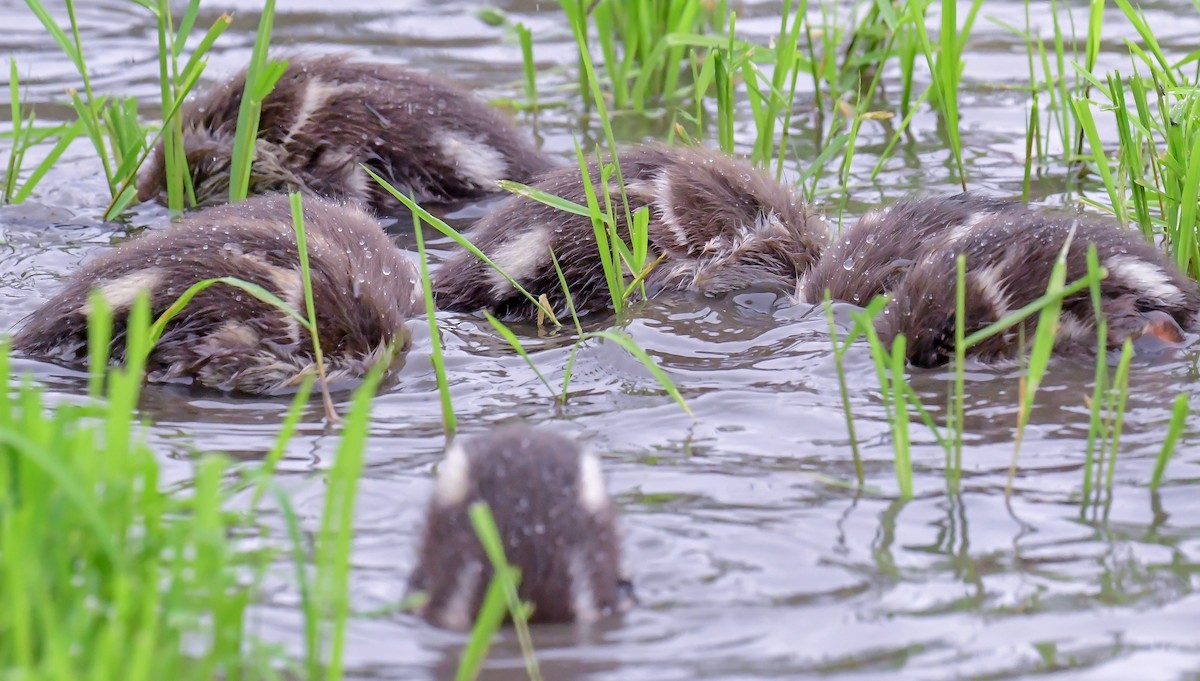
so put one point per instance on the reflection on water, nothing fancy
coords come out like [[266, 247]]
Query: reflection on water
[[751, 561]]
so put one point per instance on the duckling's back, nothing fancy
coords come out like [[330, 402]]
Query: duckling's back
[[716, 225], [327, 115], [363, 290], [555, 519]]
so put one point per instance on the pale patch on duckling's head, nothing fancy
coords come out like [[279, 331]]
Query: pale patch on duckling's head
[[660, 188], [964, 229], [989, 284]]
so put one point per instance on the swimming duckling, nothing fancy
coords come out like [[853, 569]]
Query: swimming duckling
[[718, 224], [225, 338], [329, 114], [554, 516], [872, 257], [1010, 251]]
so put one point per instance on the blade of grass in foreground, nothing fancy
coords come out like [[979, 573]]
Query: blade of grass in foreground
[[449, 421], [839, 354], [1179, 414], [903, 457], [1099, 381], [106, 574], [508, 578], [337, 521], [314, 331], [957, 411], [488, 621], [893, 391], [632, 348], [441, 226], [99, 330], [1039, 356], [1121, 387], [261, 76]]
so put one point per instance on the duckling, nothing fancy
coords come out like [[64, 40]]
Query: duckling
[[328, 114], [872, 257], [363, 291], [554, 516], [1010, 251], [717, 224]]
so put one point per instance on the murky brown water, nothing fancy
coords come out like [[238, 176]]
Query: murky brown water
[[748, 563]]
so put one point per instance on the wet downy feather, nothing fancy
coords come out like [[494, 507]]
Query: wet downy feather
[[555, 519], [329, 114], [1010, 252], [363, 291], [872, 257], [718, 224]]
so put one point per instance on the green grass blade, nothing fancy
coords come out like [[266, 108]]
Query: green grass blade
[[1179, 414]]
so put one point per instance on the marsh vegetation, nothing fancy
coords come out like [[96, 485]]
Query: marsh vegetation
[[796, 499]]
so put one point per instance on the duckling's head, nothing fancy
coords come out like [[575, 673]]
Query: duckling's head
[[1010, 256], [721, 224], [209, 154], [554, 517]]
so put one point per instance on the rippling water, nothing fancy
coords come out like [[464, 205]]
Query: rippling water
[[750, 560]]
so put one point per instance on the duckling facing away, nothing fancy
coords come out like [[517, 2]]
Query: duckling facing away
[[872, 257], [1010, 251], [329, 114], [363, 290], [719, 225], [554, 516]]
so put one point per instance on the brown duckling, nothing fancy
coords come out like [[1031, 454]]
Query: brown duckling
[[363, 290], [554, 516], [327, 115], [1010, 251], [718, 224], [872, 257]]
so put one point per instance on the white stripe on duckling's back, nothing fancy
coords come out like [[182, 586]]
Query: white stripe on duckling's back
[[316, 93], [1147, 277], [120, 293], [474, 160], [521, 258]]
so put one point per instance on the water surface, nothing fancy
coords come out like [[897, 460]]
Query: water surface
[[750, 560]]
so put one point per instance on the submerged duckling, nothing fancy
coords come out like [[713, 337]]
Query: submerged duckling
[[553, 514], [1010, 252], [225, 338], [718, 224], [429, 139]]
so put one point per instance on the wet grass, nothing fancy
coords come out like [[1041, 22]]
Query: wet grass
[[261, 76], [121, 141], [689, 59], [614, 252], [108, 573], [683, 60], [25, 135]]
